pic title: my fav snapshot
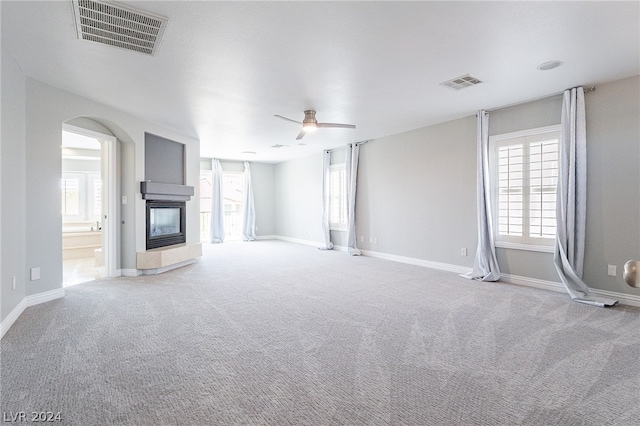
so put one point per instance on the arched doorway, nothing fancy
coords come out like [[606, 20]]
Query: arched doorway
[[88, 193]]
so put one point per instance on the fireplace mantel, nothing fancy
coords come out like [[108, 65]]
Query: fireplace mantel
[[165, 191]]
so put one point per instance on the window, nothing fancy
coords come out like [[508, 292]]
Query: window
[[233, 197], [95, 196], [81, 196], [524, 168], [70, 196], [338, 197]]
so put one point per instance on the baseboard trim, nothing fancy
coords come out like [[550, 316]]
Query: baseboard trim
[[298, 241], [131, 272], [45, 296], [622, 298], [34, 299], [418, 262], [533, 282], [12, 317]]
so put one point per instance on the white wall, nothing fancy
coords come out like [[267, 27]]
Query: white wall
[[12, 187], [298, 204], [262, 176]]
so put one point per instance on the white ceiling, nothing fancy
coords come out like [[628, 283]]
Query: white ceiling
[[225, 68]]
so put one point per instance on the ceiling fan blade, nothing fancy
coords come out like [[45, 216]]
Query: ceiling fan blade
[[301, 135], [288, 119], [344, 126]]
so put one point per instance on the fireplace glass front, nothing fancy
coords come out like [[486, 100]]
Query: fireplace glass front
[[165, 223]]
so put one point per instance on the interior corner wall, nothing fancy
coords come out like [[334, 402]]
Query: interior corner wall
[[416, 193], [47, 108], [12, 187], [262, 179], [613, 179], [298, 199]]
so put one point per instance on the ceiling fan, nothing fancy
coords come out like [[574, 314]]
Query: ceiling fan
[[310, 124]]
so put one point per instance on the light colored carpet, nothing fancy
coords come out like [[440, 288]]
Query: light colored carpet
[[282, 334]]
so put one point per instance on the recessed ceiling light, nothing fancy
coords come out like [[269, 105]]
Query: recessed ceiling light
[[279, 146], [249, 152], [549, 65]]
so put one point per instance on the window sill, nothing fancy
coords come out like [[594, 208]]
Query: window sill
[[526, 247], [338, 229]]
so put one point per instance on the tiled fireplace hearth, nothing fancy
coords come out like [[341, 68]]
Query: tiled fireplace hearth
[[163, 259]]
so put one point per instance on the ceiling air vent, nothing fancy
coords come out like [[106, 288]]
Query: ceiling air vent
[[119, 26], [461, 82]]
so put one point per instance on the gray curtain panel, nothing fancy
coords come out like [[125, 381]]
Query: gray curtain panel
[[485, 265], [571, 203], [216, 232]]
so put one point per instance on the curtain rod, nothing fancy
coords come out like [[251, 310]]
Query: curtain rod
[[585, 89], [343, 147]]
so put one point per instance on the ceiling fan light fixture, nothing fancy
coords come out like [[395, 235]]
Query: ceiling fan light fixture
[[310, 124], [549, 65]]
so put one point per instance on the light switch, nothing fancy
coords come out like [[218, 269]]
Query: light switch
[[35, 273]]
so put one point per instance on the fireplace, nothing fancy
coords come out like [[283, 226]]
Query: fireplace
[[165, 223]]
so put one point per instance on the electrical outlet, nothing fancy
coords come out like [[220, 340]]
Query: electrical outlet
[[13, 282], [371, 239], [375, 240], [463, 251], [362, 238], [35, 273], [612, 270]]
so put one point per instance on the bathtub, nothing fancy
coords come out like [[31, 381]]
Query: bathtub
[[80, 242]]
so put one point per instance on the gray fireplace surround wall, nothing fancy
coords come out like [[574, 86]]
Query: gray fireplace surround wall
[[164, 189], [164, 164]]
